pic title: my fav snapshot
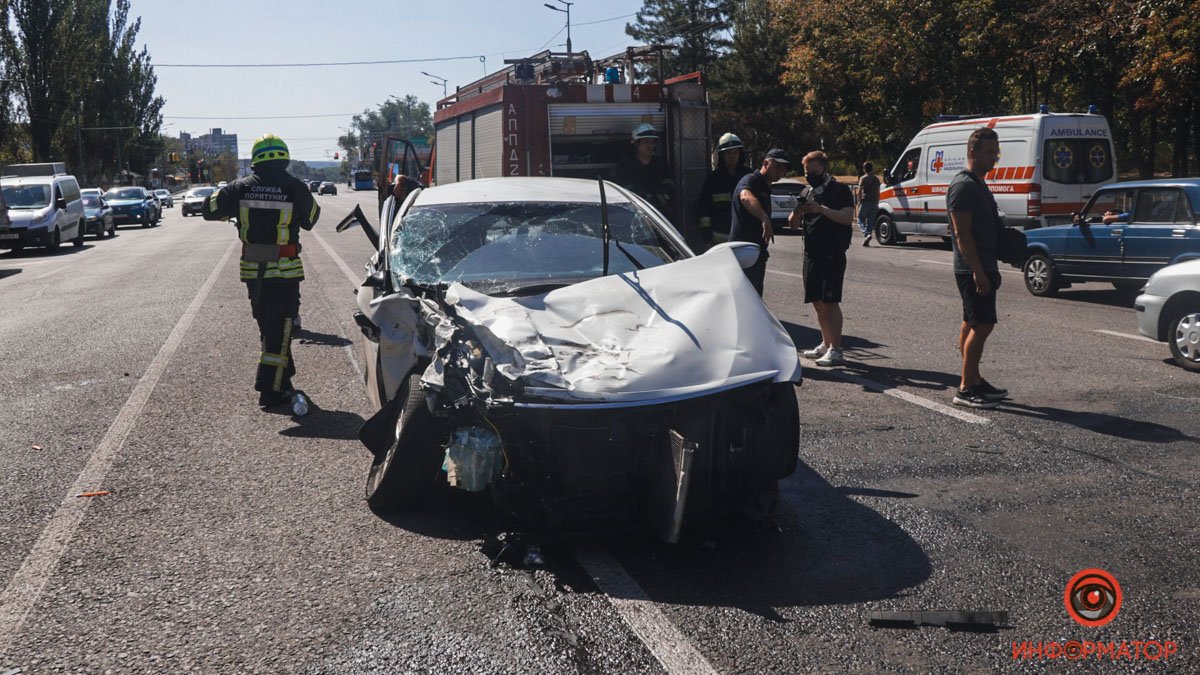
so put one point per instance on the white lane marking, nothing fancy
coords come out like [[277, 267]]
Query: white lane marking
[[28, 583], [787, 274], [950, 264], [949, 411], [1130, 336], [338, 324], [647, 621], [354, 281]]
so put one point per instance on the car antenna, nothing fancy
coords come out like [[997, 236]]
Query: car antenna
[[604, 225]]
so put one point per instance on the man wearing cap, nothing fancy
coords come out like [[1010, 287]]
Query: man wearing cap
[[750, 214], [713, 207], [270, 206], [645, 174]]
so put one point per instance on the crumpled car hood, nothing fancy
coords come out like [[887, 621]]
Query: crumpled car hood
[[684, 329]]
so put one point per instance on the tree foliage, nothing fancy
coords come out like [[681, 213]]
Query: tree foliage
[[695, 29], [408, 117], [72, 66]]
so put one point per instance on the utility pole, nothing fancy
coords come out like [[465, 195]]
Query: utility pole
[[568, 12], [79, 142], [437, 80]]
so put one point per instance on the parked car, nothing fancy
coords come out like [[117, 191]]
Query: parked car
[[313, 185], [1149, 225], [584, 372], [165, 199], [97, 214], [133, 205], [44, 206], [1168, 310], [4, 221], [193, 200], [327, 188], [783, 200]]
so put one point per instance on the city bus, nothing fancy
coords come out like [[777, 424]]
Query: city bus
[[362, 179]]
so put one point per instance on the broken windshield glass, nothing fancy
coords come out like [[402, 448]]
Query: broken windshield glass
[[499, 246]]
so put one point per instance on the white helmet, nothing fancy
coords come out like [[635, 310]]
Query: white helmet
[[729, 142], [644, 131]]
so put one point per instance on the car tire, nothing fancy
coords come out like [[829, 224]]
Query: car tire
[[411, 469], [55, 240], [1040, 277], [781, 431], [79, 232], [1129, 286], [885, 230], [1183, 336]]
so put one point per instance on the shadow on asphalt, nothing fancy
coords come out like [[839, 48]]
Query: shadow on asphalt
[[320, 423], [1110, 297], [1101, 423], [37, 252], [10, 272], [822, 548], [307, 337], [807, 337]]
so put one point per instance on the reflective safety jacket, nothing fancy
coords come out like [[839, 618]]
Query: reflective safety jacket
[[716, 196], [270, 206]]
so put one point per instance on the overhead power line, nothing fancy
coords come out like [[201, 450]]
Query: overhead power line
[[311, 65], [260, 117]]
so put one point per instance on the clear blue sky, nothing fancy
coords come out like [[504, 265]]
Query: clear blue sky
[[306, 31]]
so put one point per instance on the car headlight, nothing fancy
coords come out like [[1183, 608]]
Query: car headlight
[[40, 218]]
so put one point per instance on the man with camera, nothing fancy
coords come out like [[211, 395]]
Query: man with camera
[[827, 210]]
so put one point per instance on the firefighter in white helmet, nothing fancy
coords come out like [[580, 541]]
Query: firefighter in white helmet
[[645, 173], [716, 196]]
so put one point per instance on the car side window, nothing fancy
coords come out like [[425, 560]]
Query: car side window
[[1157, 205], [906, 168], [1116, 202], [1183, 212]]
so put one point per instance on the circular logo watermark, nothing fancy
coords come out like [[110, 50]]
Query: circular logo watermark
[[1093, 597]]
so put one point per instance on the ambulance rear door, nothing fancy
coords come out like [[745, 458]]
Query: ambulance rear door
[[1074, 158]]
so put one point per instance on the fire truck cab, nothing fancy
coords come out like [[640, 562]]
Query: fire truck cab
[[557, 114], [1050, 164]]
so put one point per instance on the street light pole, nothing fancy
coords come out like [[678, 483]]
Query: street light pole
[[437, 80], [568, 12]]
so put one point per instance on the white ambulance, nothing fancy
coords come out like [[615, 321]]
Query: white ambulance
[[1050, 163]]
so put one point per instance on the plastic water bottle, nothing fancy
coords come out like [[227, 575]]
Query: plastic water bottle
[[299, 404]]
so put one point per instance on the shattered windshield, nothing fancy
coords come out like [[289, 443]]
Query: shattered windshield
[[505, 246]]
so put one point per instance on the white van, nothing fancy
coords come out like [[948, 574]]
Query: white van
[[1050, 163], [44, 206]]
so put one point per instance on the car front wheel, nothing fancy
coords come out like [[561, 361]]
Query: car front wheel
[[1183, 335], [411, 469], [55, 240], [1040, 276]]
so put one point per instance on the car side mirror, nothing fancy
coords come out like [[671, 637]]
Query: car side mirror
[[61, 203], [1076, 219], [887, 177], [747, 253], [378, 280]]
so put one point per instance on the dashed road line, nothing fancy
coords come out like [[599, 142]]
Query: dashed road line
[[787, 274], [27, 584], [941, 408], [643, 617], [950, 264], [1129, 336]]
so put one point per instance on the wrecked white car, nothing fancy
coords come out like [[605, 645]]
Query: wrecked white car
[[554, 342]]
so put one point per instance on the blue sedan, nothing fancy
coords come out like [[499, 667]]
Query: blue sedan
[[1127, 232]]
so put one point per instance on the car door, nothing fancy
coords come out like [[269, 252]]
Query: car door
[[1161, 229], [1093, 247]]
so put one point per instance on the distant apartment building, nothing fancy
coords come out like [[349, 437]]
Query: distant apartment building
[[211, 144]]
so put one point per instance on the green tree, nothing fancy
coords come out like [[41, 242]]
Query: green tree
[[408, 117], [696, 30]]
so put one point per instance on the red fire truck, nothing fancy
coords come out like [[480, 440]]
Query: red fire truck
[[558, 114]]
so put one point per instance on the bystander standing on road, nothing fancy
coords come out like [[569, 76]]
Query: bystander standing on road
[[868, 201], [827, 210], [751, 211], [713, 206], [976, 224]]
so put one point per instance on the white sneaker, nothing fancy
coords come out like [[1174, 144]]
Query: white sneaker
[[833, 357], [816, 352]]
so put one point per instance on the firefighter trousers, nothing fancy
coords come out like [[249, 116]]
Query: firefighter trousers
[[275, 310]]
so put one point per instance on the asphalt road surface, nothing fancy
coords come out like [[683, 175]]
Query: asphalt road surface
[[232, 540]]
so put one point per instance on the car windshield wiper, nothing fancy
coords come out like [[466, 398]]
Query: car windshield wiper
[[606, 236]]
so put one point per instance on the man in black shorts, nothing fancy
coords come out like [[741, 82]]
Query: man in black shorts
[[976, 224], [828, 211]]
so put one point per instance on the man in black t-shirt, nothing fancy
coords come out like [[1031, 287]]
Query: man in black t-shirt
[[827, 209], [976, 224], [751, 211]]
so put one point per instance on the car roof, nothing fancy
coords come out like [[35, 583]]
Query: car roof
[[520, 189], [1155, 182]]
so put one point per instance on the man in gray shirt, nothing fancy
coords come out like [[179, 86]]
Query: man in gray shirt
[[976, 224], [868, 201]]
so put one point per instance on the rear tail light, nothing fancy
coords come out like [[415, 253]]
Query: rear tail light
[[1035, 200]]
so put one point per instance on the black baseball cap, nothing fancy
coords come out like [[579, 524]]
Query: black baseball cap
[[777, 155]]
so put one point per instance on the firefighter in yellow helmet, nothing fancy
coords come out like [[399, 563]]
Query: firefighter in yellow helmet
[[270, 206]]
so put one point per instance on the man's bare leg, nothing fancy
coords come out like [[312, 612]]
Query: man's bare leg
[[973, 353]]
